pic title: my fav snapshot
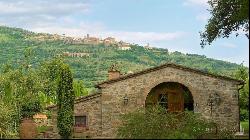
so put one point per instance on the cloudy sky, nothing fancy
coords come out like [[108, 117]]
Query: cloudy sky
[[171, 24]]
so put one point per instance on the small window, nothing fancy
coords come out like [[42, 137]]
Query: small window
[[163, 100], [81, 121]]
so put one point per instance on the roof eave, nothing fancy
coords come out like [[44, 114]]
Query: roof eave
[[84, 98], [103, 84]]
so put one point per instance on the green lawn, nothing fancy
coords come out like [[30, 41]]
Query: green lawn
[[245, 125]]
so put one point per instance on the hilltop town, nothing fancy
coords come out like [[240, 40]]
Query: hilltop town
[[86, 40]]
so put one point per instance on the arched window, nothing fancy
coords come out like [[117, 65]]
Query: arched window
[[163, 100]]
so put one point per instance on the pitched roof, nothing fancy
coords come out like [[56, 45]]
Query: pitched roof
[[164, 66], [80, 99]]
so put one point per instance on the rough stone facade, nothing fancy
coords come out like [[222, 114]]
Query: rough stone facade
[[89, 106], [104, 111]]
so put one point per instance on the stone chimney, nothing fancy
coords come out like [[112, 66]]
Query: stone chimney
[[113, 73]]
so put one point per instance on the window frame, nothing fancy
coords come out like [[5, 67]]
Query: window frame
[[86, 121]]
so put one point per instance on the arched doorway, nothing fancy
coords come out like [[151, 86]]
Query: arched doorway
[[172, 96]]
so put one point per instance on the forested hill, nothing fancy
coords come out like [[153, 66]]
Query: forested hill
[[92, 67]]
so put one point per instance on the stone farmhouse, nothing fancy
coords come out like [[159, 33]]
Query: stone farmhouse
[[172, 86]]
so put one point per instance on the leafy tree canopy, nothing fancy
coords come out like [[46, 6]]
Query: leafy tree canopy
[[227, 16], [243, 74]]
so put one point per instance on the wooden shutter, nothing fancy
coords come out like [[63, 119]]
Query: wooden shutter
[[175, 102]]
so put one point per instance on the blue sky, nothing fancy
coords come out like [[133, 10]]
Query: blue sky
[[171, 24]]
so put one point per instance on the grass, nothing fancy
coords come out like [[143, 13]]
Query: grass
[[42, 128], [245, 125]]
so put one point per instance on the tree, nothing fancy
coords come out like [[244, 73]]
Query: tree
[[49, 71], [79, 88], [227, 16], [243, 74], [6, 118], [30, 107], [19, 93], [65, 103]]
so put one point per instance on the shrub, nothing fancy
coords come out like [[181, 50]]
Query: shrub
[[244, 114], [42, 128], [245, 126], [6, 119], [154, 122], [30, 107]]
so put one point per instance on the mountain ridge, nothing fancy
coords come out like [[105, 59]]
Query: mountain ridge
[[91, 61]]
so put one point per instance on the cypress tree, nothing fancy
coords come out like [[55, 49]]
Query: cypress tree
[[65, 102]]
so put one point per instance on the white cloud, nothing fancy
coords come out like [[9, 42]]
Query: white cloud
[[69, 28], [200, 7], [54, 8], [32, 14], [58, 16], [145, 37], [228, 45], [199, 3]]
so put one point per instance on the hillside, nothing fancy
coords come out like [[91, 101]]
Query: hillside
[[96, 59]]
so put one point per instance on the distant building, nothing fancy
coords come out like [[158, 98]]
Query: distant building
[[148, 47], [78, 41], [124, 46], [68, 54], [109, 41], [91, 40]]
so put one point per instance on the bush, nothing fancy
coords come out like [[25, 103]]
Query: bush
[[154, 122], [6, 119], [244, 114], [42, 128], [245, 126], [30, 107]]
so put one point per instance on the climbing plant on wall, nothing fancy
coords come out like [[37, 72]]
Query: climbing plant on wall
[[65, 103]]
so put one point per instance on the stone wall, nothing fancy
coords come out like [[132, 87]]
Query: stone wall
[[89, 106], [226, 113]]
